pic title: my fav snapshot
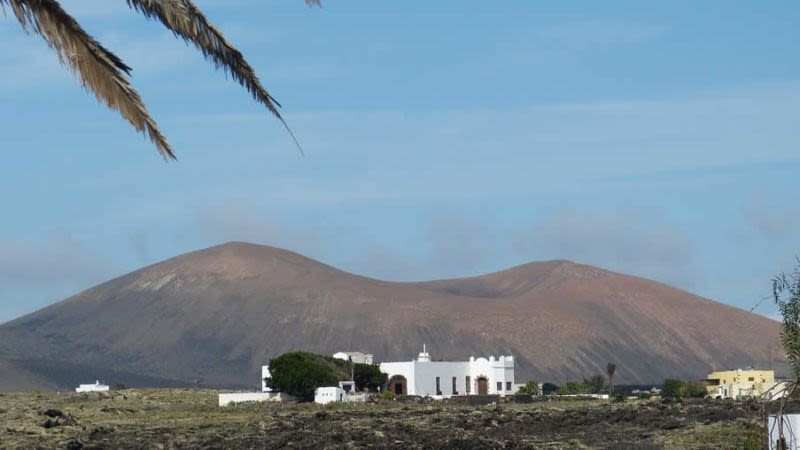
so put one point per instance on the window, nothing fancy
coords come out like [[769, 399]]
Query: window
[[508, 385], [499, 386], [438, 387], [751, 379], [468, 385], [455, 392]]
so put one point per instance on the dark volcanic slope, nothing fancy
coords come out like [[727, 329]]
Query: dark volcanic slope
[[216, 315]]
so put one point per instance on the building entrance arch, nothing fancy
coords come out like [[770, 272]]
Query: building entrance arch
[[483, 385], [398, 385]]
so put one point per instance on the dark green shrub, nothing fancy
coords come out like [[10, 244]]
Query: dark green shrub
[[645, 395], [300, 373], [595, 384], [530, 388], [672, 388], [549, 388], [572, 388], [369, 377]]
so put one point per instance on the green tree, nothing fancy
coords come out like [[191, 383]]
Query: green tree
[[786, 292], [530, 388], [104, 73], [673, 388], [369, 377], [610, 368], [300, 373]]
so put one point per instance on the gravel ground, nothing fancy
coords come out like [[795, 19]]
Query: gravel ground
[[183, 419]]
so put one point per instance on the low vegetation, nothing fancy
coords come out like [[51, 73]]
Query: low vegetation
[[182, 418], [530, 388], [674, 389]]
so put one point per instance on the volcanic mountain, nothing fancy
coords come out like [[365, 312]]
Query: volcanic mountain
[[212, 317]]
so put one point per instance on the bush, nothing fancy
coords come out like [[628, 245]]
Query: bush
[[386, 396], [549, 388], [645, 396], [675, 389], [696, 390], [300, 373], [530, 388], [595, 384], [572, 388]]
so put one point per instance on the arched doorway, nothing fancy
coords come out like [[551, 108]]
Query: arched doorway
[[398, 385], [483, 385]]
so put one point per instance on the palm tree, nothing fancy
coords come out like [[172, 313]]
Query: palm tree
[[610, 368], [106, 75]]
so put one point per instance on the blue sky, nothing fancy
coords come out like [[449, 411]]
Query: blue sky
[[442, 139]]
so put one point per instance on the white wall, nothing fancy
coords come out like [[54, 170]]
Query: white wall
[[421, 375], [230, 398], [97, 387]]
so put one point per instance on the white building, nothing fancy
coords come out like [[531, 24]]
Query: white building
[[356, 357], [478, 376], [96, 387], [329, 394]]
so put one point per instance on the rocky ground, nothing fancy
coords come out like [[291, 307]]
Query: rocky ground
[[178, 419]]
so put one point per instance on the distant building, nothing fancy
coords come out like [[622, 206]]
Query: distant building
[[740, 383], [96, 387], [356, 357], [478, 376], [329, 394]]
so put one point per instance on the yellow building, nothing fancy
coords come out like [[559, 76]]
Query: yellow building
[[737, 383]]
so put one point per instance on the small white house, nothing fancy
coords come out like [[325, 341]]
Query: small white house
[[356, 357], [478, 376], [329, 394], [96, 387]]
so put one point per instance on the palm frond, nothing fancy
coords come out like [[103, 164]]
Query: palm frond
[[186, 20], [98, 69]]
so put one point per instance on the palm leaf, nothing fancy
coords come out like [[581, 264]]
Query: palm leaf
[[186, 20], [98, 69]]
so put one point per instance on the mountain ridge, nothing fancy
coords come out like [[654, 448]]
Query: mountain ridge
[[217, 314]]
